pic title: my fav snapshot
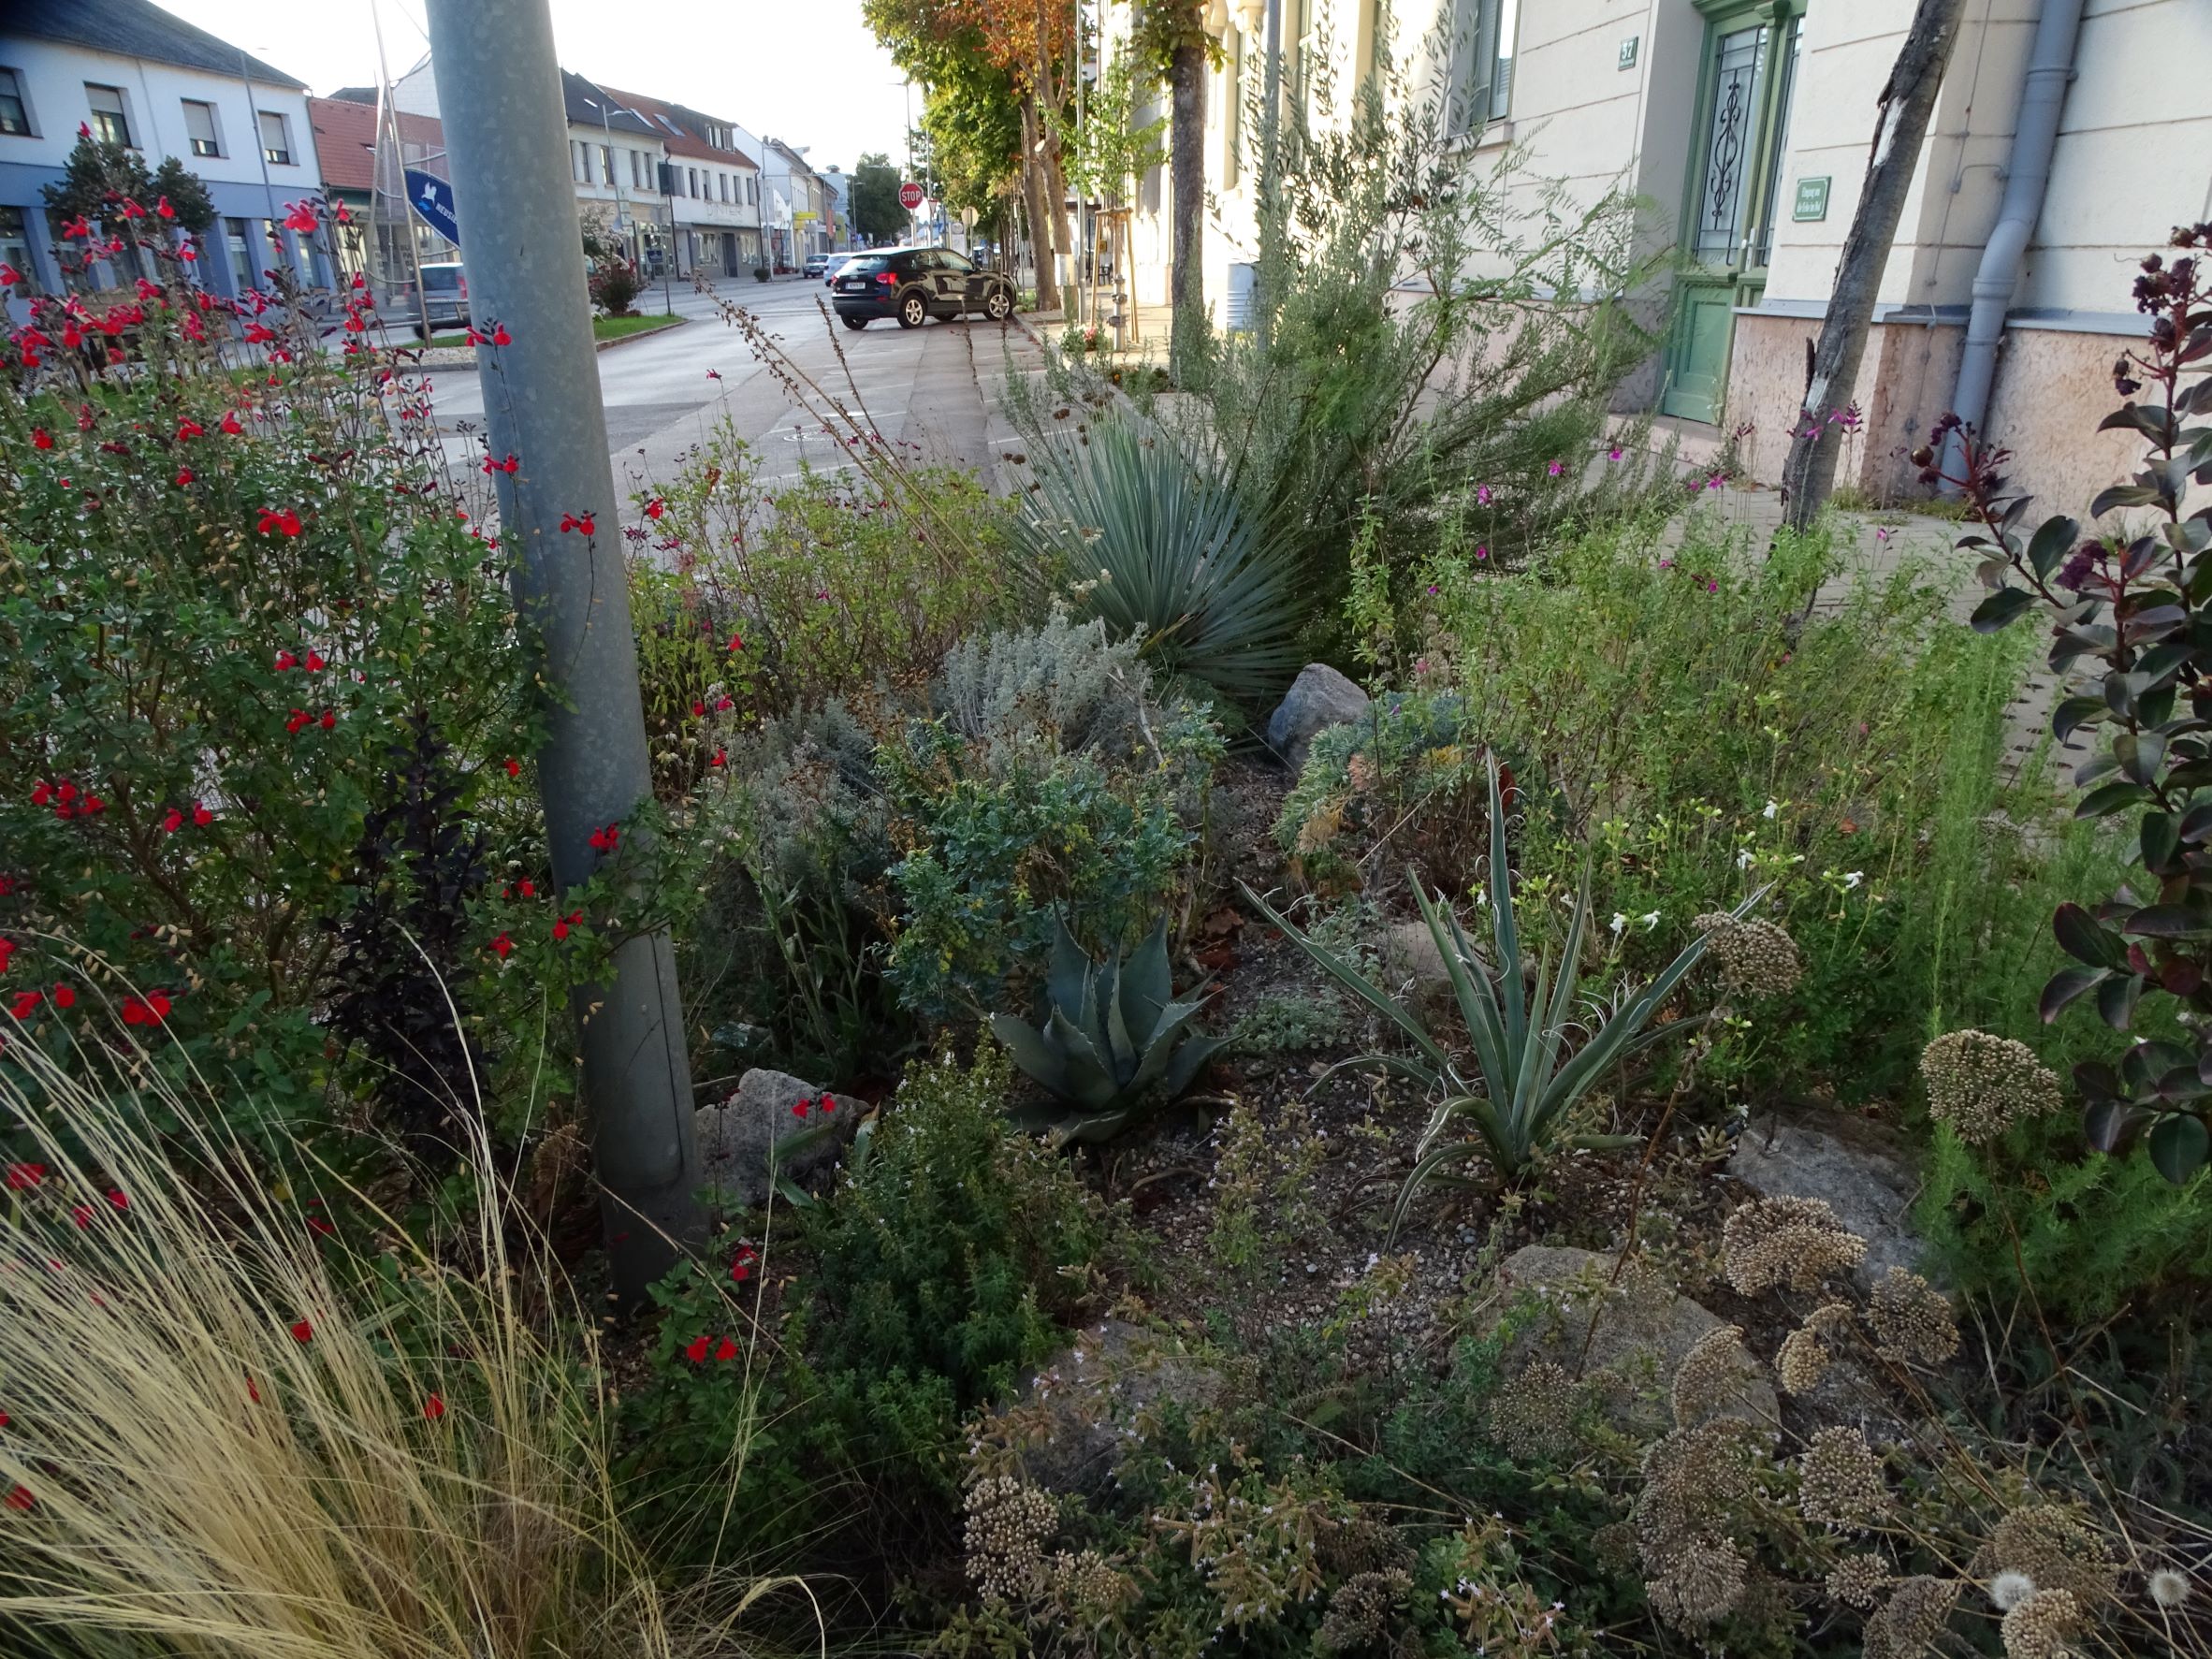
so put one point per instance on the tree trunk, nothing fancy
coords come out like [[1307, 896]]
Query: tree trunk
[[1055, 190], [1186, 82], [1040, 223], [1908, 99]]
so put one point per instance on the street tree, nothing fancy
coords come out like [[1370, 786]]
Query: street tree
[[1170, 38], [1900, 125], [874, 205], [100, 173]]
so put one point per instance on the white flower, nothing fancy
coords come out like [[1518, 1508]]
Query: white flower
[[2168, 1588], [2007, 1590], [1771, 809], [1620, 921], [1743, 859], [1851, 879], [1649, 919]]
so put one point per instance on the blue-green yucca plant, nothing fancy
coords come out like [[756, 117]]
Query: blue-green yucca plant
[[1169, 556], [1110, 1041], [1528, 1068]]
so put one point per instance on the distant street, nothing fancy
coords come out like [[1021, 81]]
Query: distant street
[[939, 386]]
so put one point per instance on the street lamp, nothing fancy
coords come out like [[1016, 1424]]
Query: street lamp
[[607, 154]]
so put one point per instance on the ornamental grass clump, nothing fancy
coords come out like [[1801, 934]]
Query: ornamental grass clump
[[238, 1417]]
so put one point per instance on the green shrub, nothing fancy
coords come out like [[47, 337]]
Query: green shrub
[[1039, 799], [221, 607]]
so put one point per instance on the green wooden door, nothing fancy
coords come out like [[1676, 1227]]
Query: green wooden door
[[1728, 221]]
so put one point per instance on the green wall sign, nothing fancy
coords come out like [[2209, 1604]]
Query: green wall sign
[[1812, 200]]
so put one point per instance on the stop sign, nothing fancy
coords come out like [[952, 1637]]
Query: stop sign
[[910, 195]]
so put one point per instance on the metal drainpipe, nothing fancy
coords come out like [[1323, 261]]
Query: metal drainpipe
[[2035, 136]]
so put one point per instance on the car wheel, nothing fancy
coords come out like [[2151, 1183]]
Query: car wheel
[[855, 322], [913, 310], [998, 305]]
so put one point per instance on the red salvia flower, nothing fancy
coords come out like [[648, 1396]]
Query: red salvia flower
[[23, 1177], [82, 1215], [530, 889], [320, 1228], [514, 766], [298, 719], [799, 1107], [654, 507], [163, 211], [501, 945], [434, 1407], [189, 427], [183, 476], [330, 718], [606, 841], [41, 793], [201, 816], [741, 1268], [301, 218], [695, 1350], [231, 424], [65, 996], [722, 758], [736, 643], [825, 1104], [698, 707], [725, 1349], [573, 919], [573, 521], [21, 1498], [120, 1198], [41, 438], [499, 335], [303, 1330], [280, 521], [286, 659], [173, 822], [315, 663], [152, 1011]]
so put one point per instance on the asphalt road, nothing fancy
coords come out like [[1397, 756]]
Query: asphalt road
[[938, 387]]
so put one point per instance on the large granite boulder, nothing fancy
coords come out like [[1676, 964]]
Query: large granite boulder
[[1628, 1336], [1854, 1165], [762, 1125], [1318, 698]]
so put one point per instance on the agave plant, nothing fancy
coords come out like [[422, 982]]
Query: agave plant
[[1110, 1040], [1527, 1055], [1178, 566]]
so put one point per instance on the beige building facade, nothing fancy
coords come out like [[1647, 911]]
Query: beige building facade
[[1745, 127]]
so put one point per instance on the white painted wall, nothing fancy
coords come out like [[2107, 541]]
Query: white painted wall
[[55, 74]]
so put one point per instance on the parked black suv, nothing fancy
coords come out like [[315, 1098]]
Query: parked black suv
[[915, 284]]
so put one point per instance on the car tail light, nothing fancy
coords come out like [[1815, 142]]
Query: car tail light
[[887, 279], [464, 285]]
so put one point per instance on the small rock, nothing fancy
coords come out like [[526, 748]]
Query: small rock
[[1075, 1410], [1641, 1340], [1854, 1166], [737, 1138], [1318, 698]]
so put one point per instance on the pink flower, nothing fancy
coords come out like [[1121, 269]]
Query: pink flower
[[1555, 468]]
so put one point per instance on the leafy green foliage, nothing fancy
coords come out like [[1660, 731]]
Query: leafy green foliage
[[1165, 556], [874, 199], [2138, 606], [1109, 1039], [99, 176], [1525, 1080]]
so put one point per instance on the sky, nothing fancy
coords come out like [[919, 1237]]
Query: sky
[[806, 71]]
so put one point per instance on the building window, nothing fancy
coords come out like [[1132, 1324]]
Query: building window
[[200, 126], [238, 235], [109, 123], [1481, 86], [15, 249], [276, 140], [638, 176], [606, 166], [15, 117]]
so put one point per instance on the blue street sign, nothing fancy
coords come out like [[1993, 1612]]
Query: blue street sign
[[432, 199]]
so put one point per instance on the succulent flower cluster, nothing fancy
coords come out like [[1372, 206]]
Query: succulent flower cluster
[[1805, 1355], [1982, 1086], [1712, 1376], [1840, 1481], [1694, 1479], [2041, 1625], [1008, 1522], [2056, 1547], [1756, 958], [1858, 1581], [1910, 1319], [1909, 1622], [1360, 1610], [1786, 1243], [1533, 1416]]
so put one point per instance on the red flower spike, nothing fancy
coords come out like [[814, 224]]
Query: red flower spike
[[65, 996], [695, 1350], [41, 438], [501, 337], [655, 507], [163, 211], [201, 816], [514, 766], [501, 946], [315, 663], [173, 822], [303, 1330], [434, 1407], [23, 1177], [21, 1498], [725, 1349]]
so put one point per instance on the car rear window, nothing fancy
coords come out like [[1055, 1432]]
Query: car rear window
[[868, 266], [442, 279]]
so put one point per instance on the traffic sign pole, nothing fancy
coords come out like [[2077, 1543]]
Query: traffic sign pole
[[498, 87]]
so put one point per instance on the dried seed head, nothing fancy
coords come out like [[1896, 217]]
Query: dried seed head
[[2007, 1590], [1839, 1480], [1786, 1242], [1982, 1086], [1910, 1319], [2042, 1625], [1533, 1416], [1756, 958], [2168, 1589], [1712, 1376], [2056, 1546], [1858, 1581], [1912, 1620]]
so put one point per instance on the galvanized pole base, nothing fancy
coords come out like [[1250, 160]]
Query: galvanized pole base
[[499, 94]]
